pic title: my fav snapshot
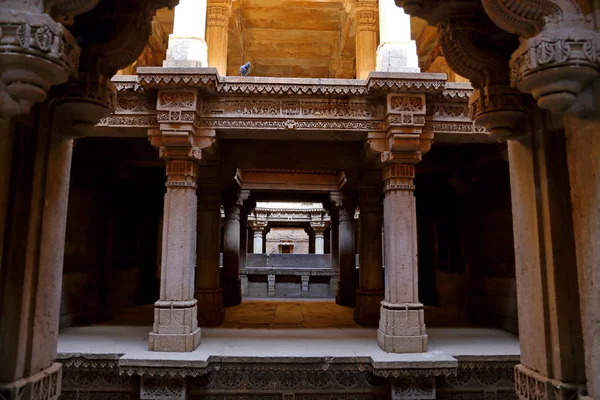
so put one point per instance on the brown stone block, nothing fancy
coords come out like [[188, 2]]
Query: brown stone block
[[174, 342]]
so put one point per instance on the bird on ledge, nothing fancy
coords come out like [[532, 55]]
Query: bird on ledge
[[245, 69]]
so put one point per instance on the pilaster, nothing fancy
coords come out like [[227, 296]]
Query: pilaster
[[217, 34], [370, 272], [366, 14]]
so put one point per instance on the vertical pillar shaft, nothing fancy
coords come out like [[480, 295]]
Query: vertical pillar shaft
[[334, 243], [258, 240], [547, 287], [243, 239], [402, 324], [208, 292], [232, 294], [175, 313], [217, 34], [31, 268], [187, 47], [366, 37], [370, 273], [319, 241], [583, 147], [346, 255]]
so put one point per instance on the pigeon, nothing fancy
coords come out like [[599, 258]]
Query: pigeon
[[245, 69]]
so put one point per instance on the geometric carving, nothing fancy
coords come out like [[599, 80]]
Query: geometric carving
[[162, 389], [531, 385], [413, 389], [45, 385]]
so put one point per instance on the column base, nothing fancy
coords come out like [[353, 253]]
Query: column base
[[47, 382], [366, 311], [398, 57], [175, 326], [530, 384], [210, 307], [402, 328], [186, 53], [346, 295], [232, 292]]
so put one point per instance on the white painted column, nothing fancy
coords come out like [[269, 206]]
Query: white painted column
[[258, 240], [396, 51], [187, 44], [319, 241]]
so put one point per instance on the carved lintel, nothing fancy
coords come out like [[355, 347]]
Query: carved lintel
[[45, 385]]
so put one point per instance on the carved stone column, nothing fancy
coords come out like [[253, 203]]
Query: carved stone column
[[402, 323], [366, 13], [181, 145], [258, 231], [319, 240], [234, 202], [33, 240], [346, 251], [217, 34], [370, 274], [243, 237], [208, 292], [187, 47], [396, 51], [333, 241]]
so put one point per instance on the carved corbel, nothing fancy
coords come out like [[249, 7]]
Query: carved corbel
[[405, 140], [559, 55], [179, 133]]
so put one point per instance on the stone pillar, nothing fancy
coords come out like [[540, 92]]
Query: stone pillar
[[550, 335], [334, 246], [181, 144], [243, 238], [258, 233], [232, 294], [396, 51], [319, 240], [208, 292], [346, 253], [402, 323], [187, 47], [175, 313], [366, 37], [370, 274], [32, 262], [583, 147], [217, 34]]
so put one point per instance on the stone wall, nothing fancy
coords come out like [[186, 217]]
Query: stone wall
[[297, 237]]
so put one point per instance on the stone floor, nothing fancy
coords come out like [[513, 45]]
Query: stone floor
[[261, 329], [264, 314]]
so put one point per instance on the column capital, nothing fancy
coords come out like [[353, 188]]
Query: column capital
[[36, 52], [557, 57], [182, 174], [398, 177], [217, 13], [366, 13]]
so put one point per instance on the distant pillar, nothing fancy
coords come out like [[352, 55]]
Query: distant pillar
[[366, 37], [346, 253], [217, 34], [208, 292], [396, 51], [258, 233], [370, 273], [243, 238], [232, 294], [320, 241], [402, 323], [187, 47]]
